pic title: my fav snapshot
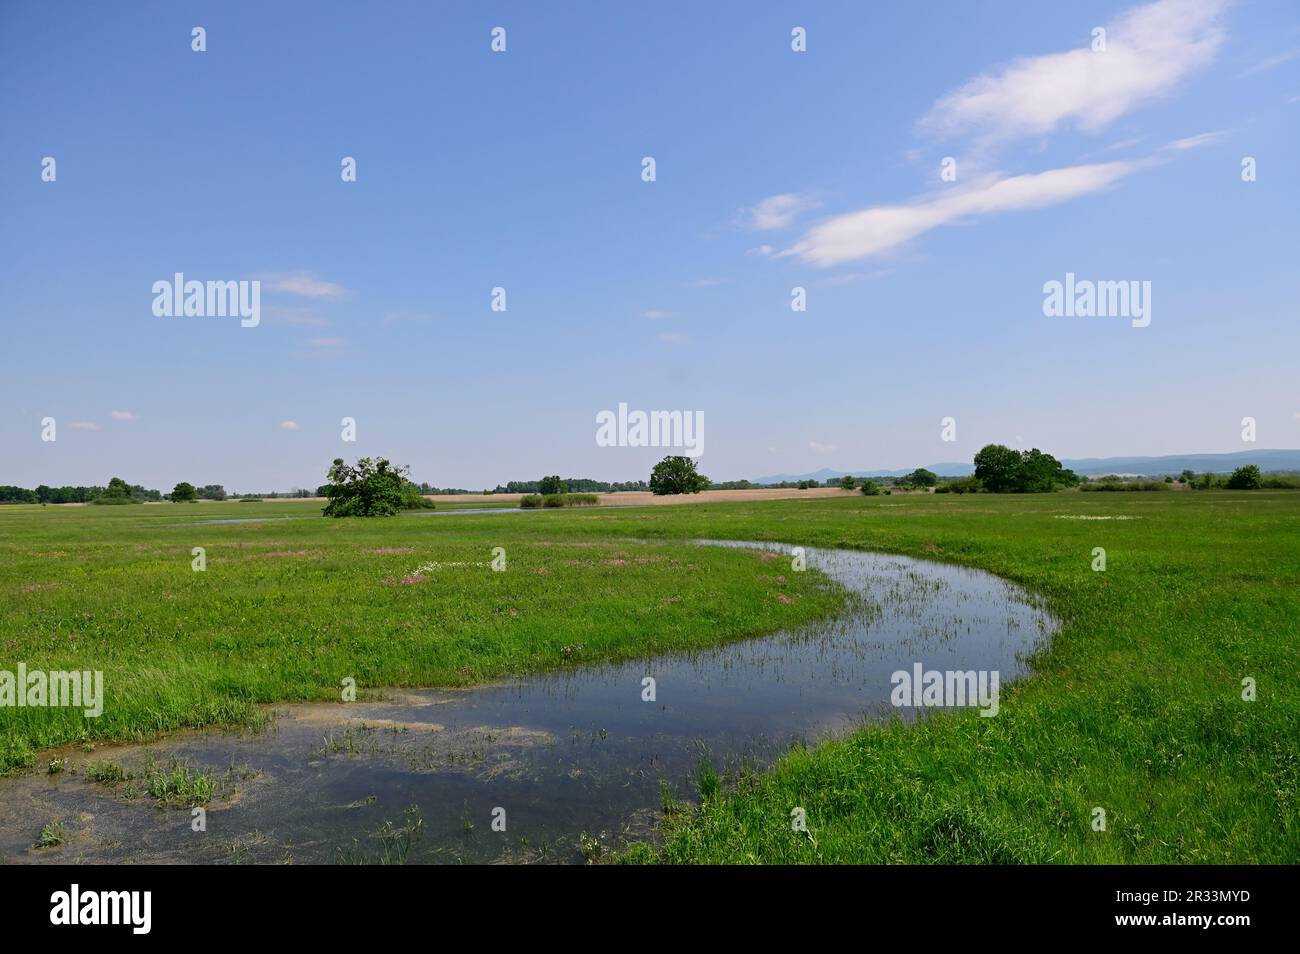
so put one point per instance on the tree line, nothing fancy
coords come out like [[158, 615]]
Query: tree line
[[375, 485]]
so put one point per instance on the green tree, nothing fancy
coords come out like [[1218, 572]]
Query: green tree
[[117, 488], [998, 468], [1039, 473], [677, 475], [1002, 470], [1246, 478], [847, 482], [413, 499], [921, 478], [184, 493], [552, 485], [870, 488], [373, 488]]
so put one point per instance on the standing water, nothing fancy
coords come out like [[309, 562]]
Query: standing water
[[568, 762]]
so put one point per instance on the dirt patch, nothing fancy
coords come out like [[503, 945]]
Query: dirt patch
[[33, 587], [644, 498], [383, 550], [287, 553]]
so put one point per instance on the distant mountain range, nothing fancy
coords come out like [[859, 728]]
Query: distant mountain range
[[1265, 460]]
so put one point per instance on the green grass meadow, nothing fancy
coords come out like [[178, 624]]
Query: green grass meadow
[[1135, 707]]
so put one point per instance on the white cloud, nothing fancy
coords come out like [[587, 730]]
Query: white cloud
[[123, 416], [674, 338], [709, 282], [303, 284], [289, 425], [777, 211], [1149, 50], [1193, 142], [761, 250], [879, 229], [818, 448], [1269, 63], [84, 426], [655, 314]]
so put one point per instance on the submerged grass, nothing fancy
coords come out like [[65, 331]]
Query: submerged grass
[[1135, 707]]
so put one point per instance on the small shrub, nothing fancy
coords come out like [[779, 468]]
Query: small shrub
[[530, 501], [553, 500], [51, 836], [870, 488]]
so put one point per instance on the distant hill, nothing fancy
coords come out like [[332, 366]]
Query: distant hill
[[1176, 463], [1265, 460]]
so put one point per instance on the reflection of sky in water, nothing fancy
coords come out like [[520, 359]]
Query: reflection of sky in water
[[564, 753]]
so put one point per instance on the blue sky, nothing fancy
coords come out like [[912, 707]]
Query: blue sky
[[522, 169]]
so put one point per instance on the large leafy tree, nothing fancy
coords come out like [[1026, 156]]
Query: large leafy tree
[[997, 467], [1039, 472], [117, 488], [1003, 470], [552, 485], [921, 478], [677, 475], [372, 488], [184, 492], [1246, 478]]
